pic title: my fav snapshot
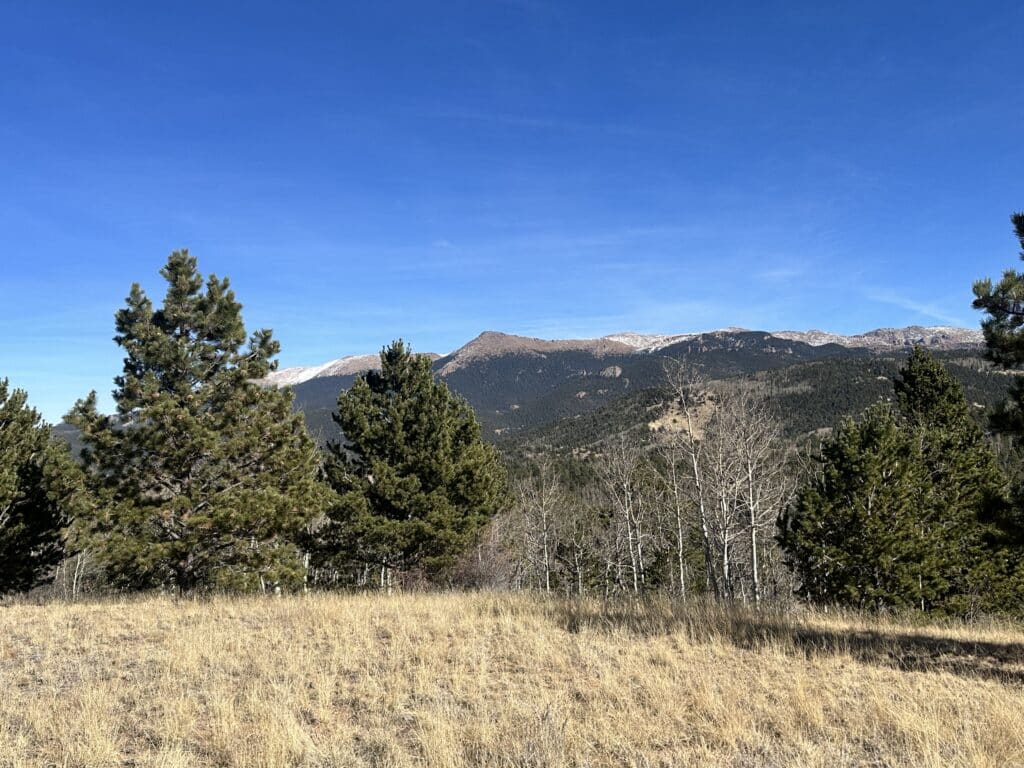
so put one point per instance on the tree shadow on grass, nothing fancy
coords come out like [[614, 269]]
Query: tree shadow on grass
[[749, 630]]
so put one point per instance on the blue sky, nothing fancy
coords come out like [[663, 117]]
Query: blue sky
[[364, 171]]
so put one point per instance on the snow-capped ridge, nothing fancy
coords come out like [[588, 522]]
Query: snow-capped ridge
[[492, 344], [933, 337], [344, 366]]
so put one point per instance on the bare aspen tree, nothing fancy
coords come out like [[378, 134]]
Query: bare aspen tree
[[506, 549], [684, 446], [646, 525], [539, 500], [611, 545], [579, 530], [500, 560], [723, 481], [676, 484], [622, 469], [70, 575], [746, 474], [763, 467]]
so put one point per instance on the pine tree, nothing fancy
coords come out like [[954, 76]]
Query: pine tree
[[416, 481], [938, 530], [206, 480], [852, 535], [1003, 303], [967, 488], [40, 493], [1004, 334]]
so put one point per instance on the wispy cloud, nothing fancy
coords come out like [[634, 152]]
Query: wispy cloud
[[547, 123], [780, 274], [924, 309]]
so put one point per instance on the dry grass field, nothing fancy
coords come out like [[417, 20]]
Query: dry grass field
[[496, 680]]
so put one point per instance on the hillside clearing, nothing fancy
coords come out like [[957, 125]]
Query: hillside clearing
[[497, 680]]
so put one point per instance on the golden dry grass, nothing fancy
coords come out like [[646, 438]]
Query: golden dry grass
[[496, 680]]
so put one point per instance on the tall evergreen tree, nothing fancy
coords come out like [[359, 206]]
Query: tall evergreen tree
[[40, 492], [851, 536], [1003, 302], [966, 487], [910, 497], [416, 481], [206, 480]]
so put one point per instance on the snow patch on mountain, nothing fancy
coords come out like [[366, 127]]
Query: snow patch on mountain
[[345, 366], [933, 337]]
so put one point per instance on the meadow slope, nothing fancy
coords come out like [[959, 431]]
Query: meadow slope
[[497, 680]]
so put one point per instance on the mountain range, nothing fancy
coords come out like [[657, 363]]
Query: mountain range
[[519, 385], [490, 344]]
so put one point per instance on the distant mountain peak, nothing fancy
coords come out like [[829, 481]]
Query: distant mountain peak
[[495, 344], [343, 366], [351, 365]]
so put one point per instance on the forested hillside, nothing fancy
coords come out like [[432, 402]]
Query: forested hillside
[[809, 397], [520, 390], [575, 398]]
